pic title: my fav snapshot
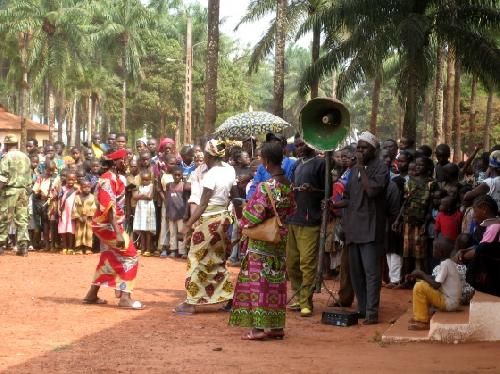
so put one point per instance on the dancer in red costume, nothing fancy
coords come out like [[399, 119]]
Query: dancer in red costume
[[118, 263]]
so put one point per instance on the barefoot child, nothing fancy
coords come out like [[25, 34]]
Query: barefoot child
[[66, 228], [418, 192], [443, 293], [45, 202], [145, 216], [176, 201], [85, 207]]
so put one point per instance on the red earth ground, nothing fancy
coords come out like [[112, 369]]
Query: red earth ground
[[45, 328]]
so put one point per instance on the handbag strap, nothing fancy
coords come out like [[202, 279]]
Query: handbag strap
[[268, 191]]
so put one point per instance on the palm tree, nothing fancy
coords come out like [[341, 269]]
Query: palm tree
[[472, 113], [293, 20], [437, 112], [279, 57], [123, 28], [378, 28], [212, 66], [450, 84], [457, 125], [488, 120]]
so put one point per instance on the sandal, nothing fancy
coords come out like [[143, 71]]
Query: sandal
[[97, 301], [276, 334], [136, 305], [254, 335]]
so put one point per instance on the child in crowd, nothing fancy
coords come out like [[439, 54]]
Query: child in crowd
[[411, 169], [45, 192], [176, 201], [444, 292], [186, 163], [413, 216], [145, 217], [34, 226], [165, 179], [199, 158], [93, 175], [66, 228], [77, 156], [81, 177], [84, 210], [448, 220]]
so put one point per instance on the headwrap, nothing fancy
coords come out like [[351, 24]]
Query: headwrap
[[216, 148], [143, 140], [163, 143], [368, 137], [117, 155], [495, 159]]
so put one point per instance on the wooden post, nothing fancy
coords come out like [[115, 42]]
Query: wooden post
[[188, 85]]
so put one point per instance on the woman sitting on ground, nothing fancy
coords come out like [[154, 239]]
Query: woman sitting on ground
[[263, 270]]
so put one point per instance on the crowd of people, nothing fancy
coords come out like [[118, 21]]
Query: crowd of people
[[399, 217]]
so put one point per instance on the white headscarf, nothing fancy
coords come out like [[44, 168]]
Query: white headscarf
[[368, 137]]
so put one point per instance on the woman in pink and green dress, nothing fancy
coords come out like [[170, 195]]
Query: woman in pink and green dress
[[260, 294]]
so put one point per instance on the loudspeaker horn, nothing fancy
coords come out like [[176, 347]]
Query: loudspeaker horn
[[324, 123]]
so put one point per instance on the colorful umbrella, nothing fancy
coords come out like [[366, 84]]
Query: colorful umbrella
[[244, 125]]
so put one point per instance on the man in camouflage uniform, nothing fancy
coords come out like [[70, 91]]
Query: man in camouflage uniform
[[15, 185]]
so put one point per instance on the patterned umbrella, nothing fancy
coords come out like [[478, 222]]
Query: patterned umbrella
[[244, 125]]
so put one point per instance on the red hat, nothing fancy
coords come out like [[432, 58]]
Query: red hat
[[117, 155]]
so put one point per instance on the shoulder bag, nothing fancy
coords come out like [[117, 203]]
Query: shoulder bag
[[269, 230]]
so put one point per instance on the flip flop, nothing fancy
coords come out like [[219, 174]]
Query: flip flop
[[136, 305], [253, 335], [418, 326], [97, 301], [181, 312]]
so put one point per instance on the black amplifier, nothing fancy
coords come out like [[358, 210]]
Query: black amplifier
[[339, 317]]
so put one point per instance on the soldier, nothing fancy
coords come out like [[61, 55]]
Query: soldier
[[15, 183]]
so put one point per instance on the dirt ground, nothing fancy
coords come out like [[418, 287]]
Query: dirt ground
[[45, 328]]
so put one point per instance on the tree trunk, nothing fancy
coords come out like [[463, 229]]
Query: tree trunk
[[60, 113], [450, 85], [487, 124], [24, 94], [77, 125], [124, 105], [72, 127], [472, 114], [51, 112], [425, 115], [316, 45], [94, 102], [410, 119], [212, 66], [437, 112], [377, 83], [46, 102], [457, 125], [89, 119], [279, 58]]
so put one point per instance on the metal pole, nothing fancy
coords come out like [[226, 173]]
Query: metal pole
[[324, 221]]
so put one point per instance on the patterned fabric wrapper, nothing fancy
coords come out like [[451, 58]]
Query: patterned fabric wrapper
[[117, 267], [207, 280], [260, 293], [414, 242]]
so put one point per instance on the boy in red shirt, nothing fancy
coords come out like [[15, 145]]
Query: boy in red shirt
[[449, 219]]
